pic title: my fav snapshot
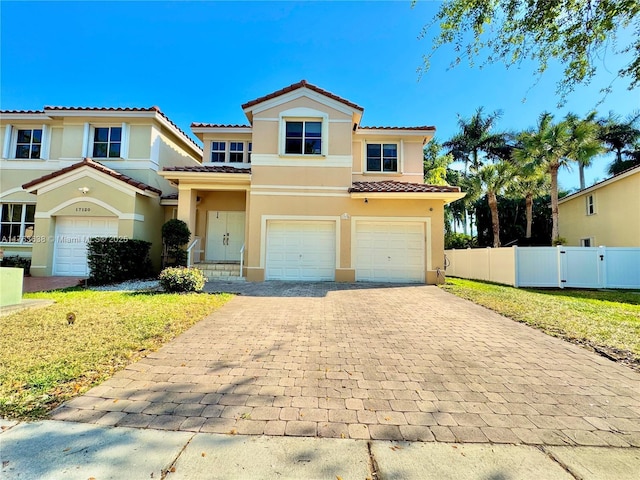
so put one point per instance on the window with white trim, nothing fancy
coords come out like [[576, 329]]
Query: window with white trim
[[236, 152], [382, 157], [218, 151], [29, 143], [591, 205], [303, 138], [249, 150], [107, 142], [17, 222]]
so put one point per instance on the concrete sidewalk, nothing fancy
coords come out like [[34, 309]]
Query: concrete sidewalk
[[63, 450]]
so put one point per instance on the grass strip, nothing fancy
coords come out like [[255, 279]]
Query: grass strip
[[44, 360]]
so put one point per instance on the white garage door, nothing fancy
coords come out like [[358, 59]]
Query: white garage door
[[390, 252], [72, 235], [300, 250]]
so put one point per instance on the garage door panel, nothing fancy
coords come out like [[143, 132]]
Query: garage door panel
[[72, 235], [390, 251], [300, 250]]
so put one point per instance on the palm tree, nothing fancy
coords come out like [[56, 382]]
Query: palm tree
[[494, 178], [584, 143], [546, 146], [619, 135], [529, 183], [474, 142], [475, 137]]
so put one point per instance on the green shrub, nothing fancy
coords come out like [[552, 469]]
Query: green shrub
[[175, 234], [459, 240], [182, 279], [114, 260], [17, 261]]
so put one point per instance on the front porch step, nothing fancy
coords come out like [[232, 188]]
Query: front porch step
[[227, 272]]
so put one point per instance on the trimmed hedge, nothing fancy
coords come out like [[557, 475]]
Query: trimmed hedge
[[114, 260], [18, 262], [182, 279]]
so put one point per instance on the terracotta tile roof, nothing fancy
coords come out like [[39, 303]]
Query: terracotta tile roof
[[216, 125], [21, 111], [392, 186], [420, 127], [208, 169], [128, 109], [87, 162], [296, 86]]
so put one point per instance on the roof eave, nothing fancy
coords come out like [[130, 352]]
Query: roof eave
[[447, 197]]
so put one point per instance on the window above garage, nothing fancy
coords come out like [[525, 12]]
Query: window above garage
[[303, 132], [382, 157], [106, 141]]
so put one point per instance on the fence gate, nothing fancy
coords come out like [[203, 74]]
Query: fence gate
[[581, 267]]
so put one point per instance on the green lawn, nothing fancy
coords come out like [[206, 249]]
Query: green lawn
[[609, 319], [44, 361]]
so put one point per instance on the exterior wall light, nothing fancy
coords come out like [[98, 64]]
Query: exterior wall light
[[84, 190]]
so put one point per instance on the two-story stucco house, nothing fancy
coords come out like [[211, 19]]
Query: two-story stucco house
[[53, 197], [305, 192], [605, 214]]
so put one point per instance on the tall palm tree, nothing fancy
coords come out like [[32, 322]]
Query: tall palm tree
[[584, 141], [529, 182], [474, 142], [475, 138], [547, 146], [494, 178], [619, 135]]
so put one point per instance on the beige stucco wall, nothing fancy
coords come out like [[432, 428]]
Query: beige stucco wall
[[301, 176], [616, 222], [410, 152], [224, 137]]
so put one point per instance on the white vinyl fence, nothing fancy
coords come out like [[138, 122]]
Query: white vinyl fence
[[575, 267]]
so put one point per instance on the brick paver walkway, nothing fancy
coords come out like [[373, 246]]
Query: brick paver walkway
[[379, 362]]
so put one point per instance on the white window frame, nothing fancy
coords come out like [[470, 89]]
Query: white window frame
[[246, 151], [303, 114], [89, 139], [232, 151], [382, 143], [590, 204], [223, 151], [11, 142], [23, 223]]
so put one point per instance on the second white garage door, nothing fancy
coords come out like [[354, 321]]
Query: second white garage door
[[301, 250], [72, 234], [390, 252]]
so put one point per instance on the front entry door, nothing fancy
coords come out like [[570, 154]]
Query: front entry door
[[225, 236]]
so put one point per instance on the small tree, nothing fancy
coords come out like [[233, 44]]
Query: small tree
[[175, 234]]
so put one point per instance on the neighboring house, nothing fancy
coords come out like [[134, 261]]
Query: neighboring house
[[607, 213], [53, 197], [304, 192]]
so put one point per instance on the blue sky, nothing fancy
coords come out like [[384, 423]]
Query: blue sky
[[199, 61]]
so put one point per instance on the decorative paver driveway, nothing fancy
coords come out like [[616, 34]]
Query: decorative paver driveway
[[370, 361]]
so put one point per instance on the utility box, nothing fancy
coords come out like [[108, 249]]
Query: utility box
[[10, 286]]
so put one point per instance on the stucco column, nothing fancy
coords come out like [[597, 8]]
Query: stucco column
[[187, 208]]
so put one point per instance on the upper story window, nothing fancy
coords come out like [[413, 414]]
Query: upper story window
[[230, 152], [107, 142], [218, 151], [303, 138], [29, 143], [591, 205], [382, 157], [236, 152], [26, 142], [17, 222]]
